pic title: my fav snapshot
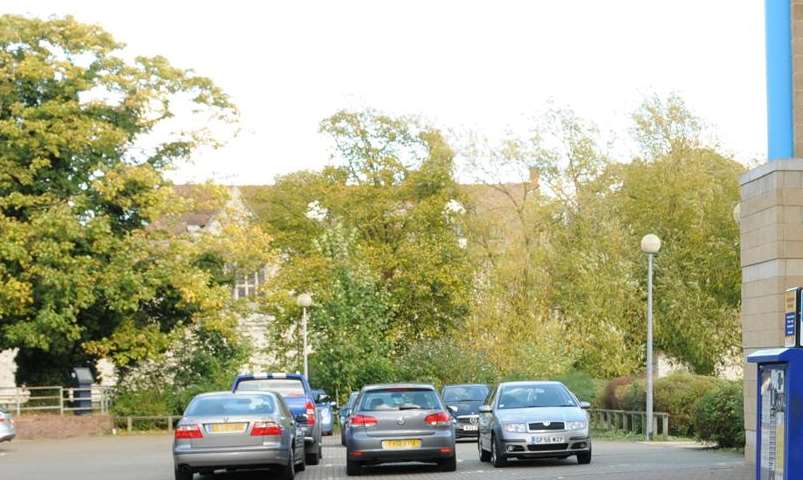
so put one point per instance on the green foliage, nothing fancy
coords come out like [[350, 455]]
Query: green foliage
[[442, 362], [201, 360], [676, 394], [719, 416], [88, 266], [583, 385]]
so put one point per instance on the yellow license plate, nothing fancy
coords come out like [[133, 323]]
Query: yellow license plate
[[227, 427], [395, 444]]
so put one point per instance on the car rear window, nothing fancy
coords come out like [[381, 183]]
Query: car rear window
[[468, 393], [231, 405], [535, 396], [286, 387], [399, 399]]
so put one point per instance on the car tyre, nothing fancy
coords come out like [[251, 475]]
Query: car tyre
[[313, 458], [301, 465], [485, 455], [448, 465], [184, 473], [288, 472], [584, 458], [498, 459], [353, 469]]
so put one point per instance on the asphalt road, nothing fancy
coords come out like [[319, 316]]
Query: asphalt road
[[147, 457]]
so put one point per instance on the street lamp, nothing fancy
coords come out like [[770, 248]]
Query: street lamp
[[650, 245], [304, 301]]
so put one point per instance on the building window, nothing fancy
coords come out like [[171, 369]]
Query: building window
[[246, 285]]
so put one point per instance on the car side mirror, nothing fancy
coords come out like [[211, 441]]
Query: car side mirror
[[453, 409], [323, 398], [486, 409], [301, 419], [585, 405]]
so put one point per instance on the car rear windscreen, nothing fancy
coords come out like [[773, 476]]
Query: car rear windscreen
[[467, 393], [535, 396], [399, 399], [231, 405], [286, 387]]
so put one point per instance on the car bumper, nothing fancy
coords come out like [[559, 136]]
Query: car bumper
[[7, 437], [460, 433], [226, 458], [521, 446], [366, 449]]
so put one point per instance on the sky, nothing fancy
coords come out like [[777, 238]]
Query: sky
[[487, 65]]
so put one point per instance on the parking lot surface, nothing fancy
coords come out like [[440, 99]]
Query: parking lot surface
[[147, 457]]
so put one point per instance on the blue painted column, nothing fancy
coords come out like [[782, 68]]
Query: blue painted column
[[780, 99]]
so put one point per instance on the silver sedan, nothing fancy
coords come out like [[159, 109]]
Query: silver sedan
[[8, 430], [238, 431], [527, 420], [399, 423]]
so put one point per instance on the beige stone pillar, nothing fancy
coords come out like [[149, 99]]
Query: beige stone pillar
[[771, 225]]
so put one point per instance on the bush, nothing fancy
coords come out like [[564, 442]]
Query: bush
[[719, 416], [613, 394], [676, 394], [442, 362], [581, 384]]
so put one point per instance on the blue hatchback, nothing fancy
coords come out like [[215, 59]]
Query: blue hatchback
[[300, 398]]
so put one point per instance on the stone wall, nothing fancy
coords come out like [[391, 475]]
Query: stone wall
[[771, 224], [35, 427]]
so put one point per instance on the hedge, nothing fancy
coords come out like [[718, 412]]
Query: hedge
[[719, 416]]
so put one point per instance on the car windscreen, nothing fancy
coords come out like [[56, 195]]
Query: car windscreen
[[535, 396], [466, 393], [231, 405], [286, 387], [399, 399]]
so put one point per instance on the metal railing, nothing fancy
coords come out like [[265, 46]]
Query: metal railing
[[629, 421], [147, 422], [61, 400]]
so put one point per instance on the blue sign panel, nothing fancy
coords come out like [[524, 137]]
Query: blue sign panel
[[791, 318]]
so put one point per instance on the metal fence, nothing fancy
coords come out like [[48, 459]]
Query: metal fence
[[629, 421], [61, 400]]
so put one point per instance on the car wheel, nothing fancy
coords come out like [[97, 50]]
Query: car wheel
[[312, 458], [498, 459], [288, 472], [183, 473], [584, 458], [300, 465], [485, 455], [343, 437], [448, 465], [353, 469]]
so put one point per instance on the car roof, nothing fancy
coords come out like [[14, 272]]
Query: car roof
[[466, 385], [385, 386], [529, 382], [269, 376], [229, 393]]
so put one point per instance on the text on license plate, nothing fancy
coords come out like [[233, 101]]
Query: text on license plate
[[469, 428], [394, 444], [547, 439], [226, 427]]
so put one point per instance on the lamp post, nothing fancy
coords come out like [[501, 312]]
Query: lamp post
[[650, 245], [304, 301]]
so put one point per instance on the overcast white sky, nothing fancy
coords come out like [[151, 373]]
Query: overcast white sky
[[485, 65]]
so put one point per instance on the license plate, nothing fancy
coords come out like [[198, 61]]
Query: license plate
[[547, 439], [226, 427], [397, 444], [469, 428]]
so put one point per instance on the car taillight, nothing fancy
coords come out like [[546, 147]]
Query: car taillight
[[363, 421], [188, 432], [310, 413], [266, 429], [438, 419]]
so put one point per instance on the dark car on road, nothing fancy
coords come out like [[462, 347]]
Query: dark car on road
[[465, 402], [238, 431], [343, 416], [399, 423], [295, 390], [526, 420]]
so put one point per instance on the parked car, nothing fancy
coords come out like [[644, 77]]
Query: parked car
[[295, 390], [325, 407], [465, 401], [343, 415], [235, 431], [527, 420], [399, 423], [8, 429]]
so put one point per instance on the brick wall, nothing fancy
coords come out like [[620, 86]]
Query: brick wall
[[772, 260], [35, 427]]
